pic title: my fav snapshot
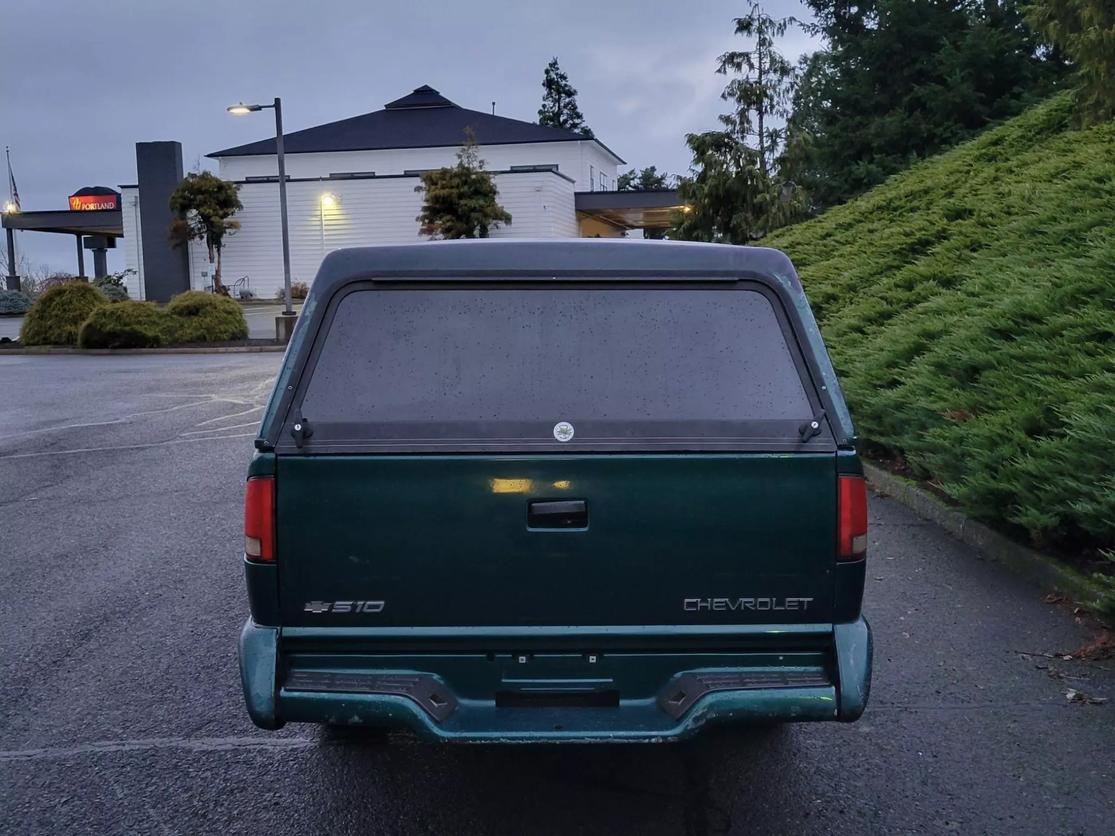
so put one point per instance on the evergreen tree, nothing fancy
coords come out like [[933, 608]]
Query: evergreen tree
[[727, 194], [460, 201], [205, 204], [1085, 30], [559, 102], [648, 179], [900, 80], [740, 185], [762, 87]]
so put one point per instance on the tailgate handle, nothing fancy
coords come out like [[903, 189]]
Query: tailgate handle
[[561, 513]]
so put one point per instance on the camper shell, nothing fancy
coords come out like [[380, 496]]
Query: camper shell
[[575, 490]]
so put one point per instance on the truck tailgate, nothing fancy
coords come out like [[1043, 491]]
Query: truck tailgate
[[449, 540]]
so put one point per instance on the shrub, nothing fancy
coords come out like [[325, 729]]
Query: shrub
[[113, 286], [14, 302], [115, 293], [198, 317], [967, 306], [57, 315], [298, 290], [127, 324]]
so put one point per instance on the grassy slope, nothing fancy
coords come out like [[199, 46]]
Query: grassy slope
[[969, 305]]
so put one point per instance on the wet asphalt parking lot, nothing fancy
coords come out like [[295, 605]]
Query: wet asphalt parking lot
[[121, 597]]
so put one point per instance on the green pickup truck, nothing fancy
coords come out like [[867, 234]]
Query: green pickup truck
[[572, 490]]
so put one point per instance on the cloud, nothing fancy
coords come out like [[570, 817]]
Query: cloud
[[162, 70]]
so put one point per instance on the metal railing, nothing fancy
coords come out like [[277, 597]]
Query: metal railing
[[240, 288]]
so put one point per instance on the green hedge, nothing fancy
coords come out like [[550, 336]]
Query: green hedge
[[124, 325], [191, 317], [56, 316], [68, 310], [969, 306], [197, 317]]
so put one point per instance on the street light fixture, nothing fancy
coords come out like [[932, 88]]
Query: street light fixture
[[241, 109], [10, 208]]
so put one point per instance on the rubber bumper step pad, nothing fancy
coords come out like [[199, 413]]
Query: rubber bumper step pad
[[681, 693], [424, 689]]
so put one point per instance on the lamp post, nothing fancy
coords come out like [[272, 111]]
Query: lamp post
[[240, 110]]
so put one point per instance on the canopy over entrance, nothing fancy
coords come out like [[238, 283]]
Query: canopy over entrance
[[108, 222], [95, 230], [630, 210]]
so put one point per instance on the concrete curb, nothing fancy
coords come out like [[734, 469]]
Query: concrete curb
[[1037, 568], [226, 349]]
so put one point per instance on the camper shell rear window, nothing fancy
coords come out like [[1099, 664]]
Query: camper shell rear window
[[559, 367]]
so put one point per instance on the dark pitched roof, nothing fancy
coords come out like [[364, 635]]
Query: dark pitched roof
[[421, 119], [424, 96]]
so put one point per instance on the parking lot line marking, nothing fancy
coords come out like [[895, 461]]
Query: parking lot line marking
[[122, 419], [233, 415], [220, 429]]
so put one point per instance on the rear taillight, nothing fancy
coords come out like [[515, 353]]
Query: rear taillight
[[852, 517], [259, 519]]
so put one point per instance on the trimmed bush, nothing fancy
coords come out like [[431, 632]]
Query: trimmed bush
[[125, 324], [57, 314], [198, 317], [967, 304], [14, 302]]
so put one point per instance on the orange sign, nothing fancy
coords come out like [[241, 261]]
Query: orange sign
[[93, 202]]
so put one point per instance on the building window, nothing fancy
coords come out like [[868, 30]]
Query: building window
[[591, 178], [603, 182]]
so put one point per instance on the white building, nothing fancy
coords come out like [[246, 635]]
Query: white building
[[352, 183]]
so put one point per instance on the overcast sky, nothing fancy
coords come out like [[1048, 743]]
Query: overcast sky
[[81, 82]]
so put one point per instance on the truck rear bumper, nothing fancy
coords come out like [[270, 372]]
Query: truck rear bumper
[[617, 695]]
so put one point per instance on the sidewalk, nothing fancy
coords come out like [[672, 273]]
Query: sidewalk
[[9, 326], [261, 319]]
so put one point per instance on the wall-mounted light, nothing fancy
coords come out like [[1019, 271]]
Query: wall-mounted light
[[327, 202]]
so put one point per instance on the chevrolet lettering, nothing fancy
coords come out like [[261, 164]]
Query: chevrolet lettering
[[558, 491], [739, 604]]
